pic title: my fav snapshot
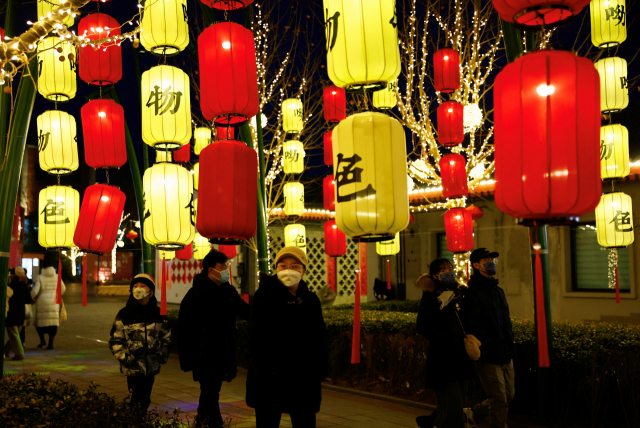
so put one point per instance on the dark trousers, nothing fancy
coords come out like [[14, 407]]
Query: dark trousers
[[140, 389], [208, 407], [50, 330], [451, 400], [267, 418]]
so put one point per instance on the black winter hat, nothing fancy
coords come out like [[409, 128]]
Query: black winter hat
[[145, 279], [481, 253]]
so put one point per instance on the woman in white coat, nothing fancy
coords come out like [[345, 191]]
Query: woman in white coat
[[47, 310]]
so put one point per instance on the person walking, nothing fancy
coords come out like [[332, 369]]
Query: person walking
[[288, 341], [207, 325], [485, 314], [47, 310], [140, 339], [16, 314], [448, 365]]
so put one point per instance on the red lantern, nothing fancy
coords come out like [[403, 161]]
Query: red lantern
[[458, 224], [2, 34], [99, 219], [453, 173], [335, 241], [228, 74], [411, 219], [547, 136], [100, 65], [224, 133], [328, 193], [228, 250], [537, 13], [183, 154], [450, 123], [132, 235], [335, 104], [186, 253], [446, 70], [476, 212], [328, 148], [228, 178], [227, 4], [105, 145]]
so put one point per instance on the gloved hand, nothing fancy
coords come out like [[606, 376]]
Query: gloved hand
[[445, 297]]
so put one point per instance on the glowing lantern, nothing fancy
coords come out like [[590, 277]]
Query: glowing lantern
[[166, 107], [45, 7], [476, 212], [169, 207], [227, 4], [164, 27], [329, 193], [362, 43], [203, 139], [293, 199], [370, 170], [295, 236], [458, 223], [450, 123], [105, 145], [132, 235], [539, 13], [58, 210], [328, 148], [196, 175], [453, 173], [614, 152], [99, 219], [167, 255], [225, 133], [183, 154], [385, 99], [335, 242], [57, 146], [608, 22], [201, 247], [228, 74], [228, 250], [390, 247], [229, 180], [56, 79], [335, 104], [102, 64], [547, 128], [186, 253], [614, 87], [292, 115], [446, 70], [292, 157]]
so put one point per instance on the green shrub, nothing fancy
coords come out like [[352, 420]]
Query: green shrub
[[28, 400], [407, 306]]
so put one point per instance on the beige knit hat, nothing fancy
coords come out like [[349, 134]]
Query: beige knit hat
[[295, 252]]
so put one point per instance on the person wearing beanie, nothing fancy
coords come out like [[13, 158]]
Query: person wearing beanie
[[207, 324], [288, 342], [140, 339]]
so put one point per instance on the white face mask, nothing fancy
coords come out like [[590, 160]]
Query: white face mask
[[289, 277], [140, 293]]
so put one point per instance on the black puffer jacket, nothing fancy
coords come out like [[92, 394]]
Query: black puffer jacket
[[21, 296], [207, 325], [288, 339], [447, 359], [485, 314]]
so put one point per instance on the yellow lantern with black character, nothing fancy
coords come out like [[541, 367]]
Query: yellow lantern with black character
[[58, 211], [295, 236], [614, 152], [45, 7], [56, 78], [608, 22], [385, 99], [292, 157], [293, 199], [292, 115], [614, 86], [164, 29], [201, 247], [57, 142]]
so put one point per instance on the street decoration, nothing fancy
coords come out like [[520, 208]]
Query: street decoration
[[454, 176], [105, 145], [614, 152], [450, 123], [614, 88], [201, 247], [227, 4], [295, 236], [385, 99], [45, 7], [539, 13], [293, 199], [196, 175], [476, 212], [225, 133], [293, 157], [446, 70], [100, 65], [164, 28], [335, 241], [202, 138], [132, 235], [99, 218], [56, 70], [387, 249], [327, 139], [182, 155], [608, 22], [459, 229], [187, 252], [58, 210], [335, 104], [292, 115], [329, 193], [57, 142]]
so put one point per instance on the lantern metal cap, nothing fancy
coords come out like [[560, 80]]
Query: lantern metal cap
[[374, 237]]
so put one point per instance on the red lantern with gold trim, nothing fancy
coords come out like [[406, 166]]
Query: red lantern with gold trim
[[446, 70], [105, 145], [537, 13], [476, 212], [100, 65], [335, 241], [228, 250], [450, 123], [328, 148], [225, 133], [99, 219], [329, 192], [458, 224], [335, 104], [453, 173], [132, 235], [186, 253]]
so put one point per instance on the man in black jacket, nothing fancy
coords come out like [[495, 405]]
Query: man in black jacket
[[485, 314], [16, 315], [207, 340]]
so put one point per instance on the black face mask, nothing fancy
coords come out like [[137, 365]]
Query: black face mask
[[490, 268]]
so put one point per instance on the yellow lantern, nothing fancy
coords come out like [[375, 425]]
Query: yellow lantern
[[45, 7], [203, 139], [293, 199], [166, 107], [390, 247], [58, 210], [362, 43], [167, 255], [608, 22], [614, 220], [57, 145], [56, 79], [295, 236], [201, 247], [169, 206], [385, 99], [163, 156], [292, 113], [370, 170], [196, 175], [614, 87], [292, 157], [614, 152], [164, 29]]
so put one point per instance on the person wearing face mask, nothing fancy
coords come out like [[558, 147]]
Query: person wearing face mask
[[448, 365], [207, 325], [485, 314], [140, 340], [288, 341]]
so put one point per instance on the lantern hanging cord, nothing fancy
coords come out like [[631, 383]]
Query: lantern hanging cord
[[100, 88], [58, 179], [107, 172]]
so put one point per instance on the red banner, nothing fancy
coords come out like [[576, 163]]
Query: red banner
[[331, 272], [362, 246]]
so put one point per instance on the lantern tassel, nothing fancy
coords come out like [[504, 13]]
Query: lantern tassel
[[59, 285], [617, 286], [163, 304], [388, 276], [355, 342], [541, 318], [84, 280]]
